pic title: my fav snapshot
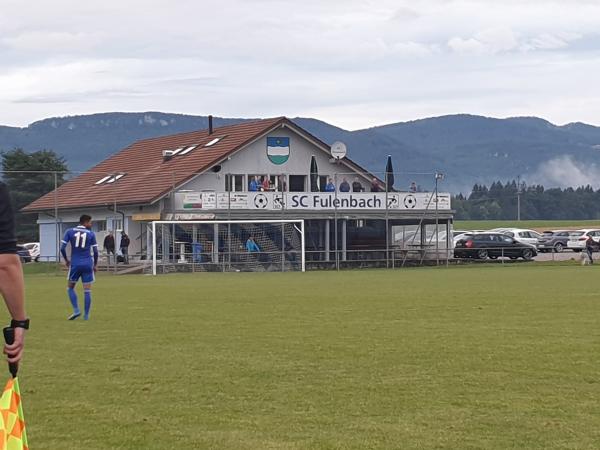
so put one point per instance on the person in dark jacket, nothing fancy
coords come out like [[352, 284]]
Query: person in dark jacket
[[345, 186], [109, 245], [125, 246], [589, 248], [12, 284], [376, 186], [357, 186]]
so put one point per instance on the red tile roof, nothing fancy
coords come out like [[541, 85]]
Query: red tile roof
[[148, 177]]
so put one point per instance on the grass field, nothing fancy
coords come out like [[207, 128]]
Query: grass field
[[468, 357], [528, 224]]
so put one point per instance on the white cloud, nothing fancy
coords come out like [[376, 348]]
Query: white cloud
[[354, 62]]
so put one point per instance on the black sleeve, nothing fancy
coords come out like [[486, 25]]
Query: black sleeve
[[8, 240]]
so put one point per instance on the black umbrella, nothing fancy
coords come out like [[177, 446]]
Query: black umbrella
[[389, 174], [314, 175]]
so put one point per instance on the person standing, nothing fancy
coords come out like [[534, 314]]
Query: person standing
[[253, 187], [124, 246], [81, 265], [357, 186], [330, 187], [589, 248], [344, 186], [413, 188], [266, 186], [109, 245], [375, 186], [12, 284]]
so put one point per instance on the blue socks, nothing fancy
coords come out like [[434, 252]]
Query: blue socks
[[88, 303], [73, 298]]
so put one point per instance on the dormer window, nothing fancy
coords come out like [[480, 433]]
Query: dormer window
[[214, 141], [109, 179], [188, 149]]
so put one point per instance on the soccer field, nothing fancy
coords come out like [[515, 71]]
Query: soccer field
[[468, 357]]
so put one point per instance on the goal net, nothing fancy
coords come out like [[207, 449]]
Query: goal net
[[226, 246]]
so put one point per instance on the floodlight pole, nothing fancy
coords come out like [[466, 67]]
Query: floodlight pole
[[438, 177]]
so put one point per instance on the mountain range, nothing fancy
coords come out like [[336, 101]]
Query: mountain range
[[468, 149]]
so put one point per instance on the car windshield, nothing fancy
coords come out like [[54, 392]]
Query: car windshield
[[547, 233], [576, 233]]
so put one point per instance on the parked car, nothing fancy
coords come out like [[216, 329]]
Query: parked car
[[493, 245], [23, 254], [521, 235], [553, 241], [34, 250], [577, 239]]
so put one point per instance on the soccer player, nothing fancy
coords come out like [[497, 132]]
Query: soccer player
[[12, 286], [81, 265]]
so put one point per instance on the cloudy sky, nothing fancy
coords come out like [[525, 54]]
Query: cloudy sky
[[353, 63]]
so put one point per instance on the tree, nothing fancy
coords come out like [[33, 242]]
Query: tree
[[28, 177]]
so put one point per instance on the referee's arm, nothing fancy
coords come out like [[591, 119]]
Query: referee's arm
[[12, 285]]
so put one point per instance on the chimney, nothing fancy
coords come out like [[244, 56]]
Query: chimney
[[210, 125]]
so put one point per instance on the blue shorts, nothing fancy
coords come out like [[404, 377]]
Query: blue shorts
[[86, 273]]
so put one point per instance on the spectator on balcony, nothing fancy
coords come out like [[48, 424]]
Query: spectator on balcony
[[265, 184], [376, 185], [253, 185], [357, 186], [344, 186], [329, 187], [413, 187]]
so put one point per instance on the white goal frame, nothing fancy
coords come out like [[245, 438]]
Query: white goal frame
[[299, 222]]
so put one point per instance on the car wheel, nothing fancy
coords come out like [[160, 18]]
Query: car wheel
[[527, 254], [482, 254], [493, 256], [558, 247], [576, 250], [513, 257]]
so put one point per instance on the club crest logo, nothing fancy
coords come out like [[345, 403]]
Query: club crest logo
[[278, 149]]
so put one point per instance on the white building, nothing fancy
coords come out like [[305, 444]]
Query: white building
[[208, 175]]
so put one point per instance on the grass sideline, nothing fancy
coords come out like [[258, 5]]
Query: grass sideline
[[480, 357], [527, 224]]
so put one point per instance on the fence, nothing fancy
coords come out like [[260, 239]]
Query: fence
[[340, 240]]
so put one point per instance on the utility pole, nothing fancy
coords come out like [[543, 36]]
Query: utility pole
[[519, 198]]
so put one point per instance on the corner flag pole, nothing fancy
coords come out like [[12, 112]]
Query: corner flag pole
[[13, 435], [9, 338]]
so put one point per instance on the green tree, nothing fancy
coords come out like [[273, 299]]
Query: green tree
[[29, 176]]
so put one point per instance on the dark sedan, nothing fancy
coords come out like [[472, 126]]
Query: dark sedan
[[23, 254], [493, 245], [553, 241]]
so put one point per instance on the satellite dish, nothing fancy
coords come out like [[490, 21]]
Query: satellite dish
[[338, 150]]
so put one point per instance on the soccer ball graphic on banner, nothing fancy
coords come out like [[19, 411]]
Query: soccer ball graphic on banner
[[410, 201], [261, 201]]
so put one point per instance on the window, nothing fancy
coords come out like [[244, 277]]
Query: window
[[188, 149], [110, 179], [116, 178], [100, 225], [214, 141], [177, 151], [103, 180], [297, 183], [117, 224], [234, 183], [323, 182]]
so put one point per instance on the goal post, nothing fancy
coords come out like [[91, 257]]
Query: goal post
[[226, 246]]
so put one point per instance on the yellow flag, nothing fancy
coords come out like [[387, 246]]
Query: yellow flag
[[12, 429]]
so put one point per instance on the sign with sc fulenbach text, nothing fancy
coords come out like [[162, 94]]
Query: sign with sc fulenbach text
[[311, 201]]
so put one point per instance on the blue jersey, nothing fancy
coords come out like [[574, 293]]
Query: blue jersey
[[82, 241]]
